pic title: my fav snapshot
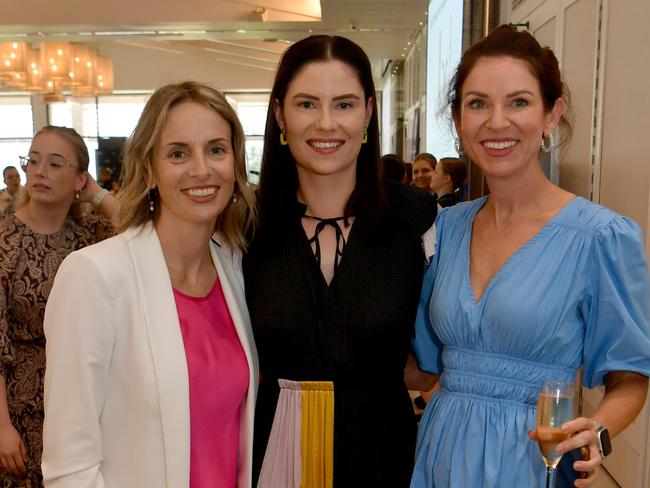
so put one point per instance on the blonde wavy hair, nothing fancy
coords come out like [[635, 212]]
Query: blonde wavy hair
[[238, 219]]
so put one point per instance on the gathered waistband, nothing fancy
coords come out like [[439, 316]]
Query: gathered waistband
[[497, 376]]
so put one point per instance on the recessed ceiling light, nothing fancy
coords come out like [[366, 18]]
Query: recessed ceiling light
[[241, 31]]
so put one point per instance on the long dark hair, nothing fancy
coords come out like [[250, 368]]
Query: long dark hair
[[279, 176]]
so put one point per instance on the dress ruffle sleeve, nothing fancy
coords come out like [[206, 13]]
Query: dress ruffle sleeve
[[617, 304], [425, 345]]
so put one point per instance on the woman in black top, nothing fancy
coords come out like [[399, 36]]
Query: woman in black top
[[333, 273]]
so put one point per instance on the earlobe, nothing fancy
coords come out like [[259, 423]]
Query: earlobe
[[83, 180], [369, 108], [554, 116], [457, 126], [277, 111]]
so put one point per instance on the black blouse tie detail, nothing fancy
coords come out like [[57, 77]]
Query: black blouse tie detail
[[340, 239]]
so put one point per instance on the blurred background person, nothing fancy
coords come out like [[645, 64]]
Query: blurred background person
[[9, 195], [151, 366], [105, 178], [424, 165], [450, 174], [116, 186], [48, 225], [391, 168]]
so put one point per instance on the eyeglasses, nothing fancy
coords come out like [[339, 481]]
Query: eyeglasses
[[54, 168]]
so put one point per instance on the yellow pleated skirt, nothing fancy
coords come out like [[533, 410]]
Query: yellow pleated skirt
[[300, 450]]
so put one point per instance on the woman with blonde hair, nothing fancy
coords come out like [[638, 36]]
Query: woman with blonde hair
[[49, 223], [152, 369]]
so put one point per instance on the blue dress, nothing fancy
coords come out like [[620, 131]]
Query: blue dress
[[577, 293]]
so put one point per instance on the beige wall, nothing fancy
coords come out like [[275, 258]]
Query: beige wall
[[578, 66], [625, 167]]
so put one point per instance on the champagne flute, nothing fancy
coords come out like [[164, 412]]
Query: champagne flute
[[554, 408]]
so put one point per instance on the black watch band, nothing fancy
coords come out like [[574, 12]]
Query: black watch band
[[604, 443]]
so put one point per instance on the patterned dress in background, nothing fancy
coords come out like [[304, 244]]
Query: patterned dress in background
[[28, 264]]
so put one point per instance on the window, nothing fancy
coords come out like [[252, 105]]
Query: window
[[118, 115], [16, 129], [251, 109], [105, 116]]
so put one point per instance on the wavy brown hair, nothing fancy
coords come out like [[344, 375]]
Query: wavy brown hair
[[238, 219], [507, 41]]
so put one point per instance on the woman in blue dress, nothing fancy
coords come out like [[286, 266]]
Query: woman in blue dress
[[528, 284]]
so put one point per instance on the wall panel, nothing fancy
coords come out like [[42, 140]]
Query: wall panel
[[579, 67]]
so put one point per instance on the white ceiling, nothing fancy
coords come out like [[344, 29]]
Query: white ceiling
[[240, 34]]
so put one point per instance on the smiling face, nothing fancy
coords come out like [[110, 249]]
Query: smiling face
[[502, 117], [53, 177], [194, 166], [422, 172], [324, 114]]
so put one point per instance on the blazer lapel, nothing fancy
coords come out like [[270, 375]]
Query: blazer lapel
[[167, 351], [228, 265], [232, 283]]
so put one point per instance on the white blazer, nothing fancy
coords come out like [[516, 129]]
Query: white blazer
[[116, 383]]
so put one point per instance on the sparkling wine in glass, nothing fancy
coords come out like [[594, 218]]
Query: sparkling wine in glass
[[554, 407]]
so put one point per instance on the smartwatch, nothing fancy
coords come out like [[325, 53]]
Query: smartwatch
[[604, 444]]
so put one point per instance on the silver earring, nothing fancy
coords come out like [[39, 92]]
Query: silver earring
[[551, 143], [458, 146]]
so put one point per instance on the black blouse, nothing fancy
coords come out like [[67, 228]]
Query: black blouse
[[355, 332]]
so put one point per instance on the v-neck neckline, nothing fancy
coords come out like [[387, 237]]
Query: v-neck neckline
[[312, 259], [507, 263]]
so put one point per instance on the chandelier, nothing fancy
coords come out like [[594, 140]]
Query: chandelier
[[52, 67]]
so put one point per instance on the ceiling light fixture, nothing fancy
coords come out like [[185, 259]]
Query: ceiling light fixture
[[53, 67]]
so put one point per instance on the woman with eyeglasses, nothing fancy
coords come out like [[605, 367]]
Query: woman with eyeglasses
[[48, 224]]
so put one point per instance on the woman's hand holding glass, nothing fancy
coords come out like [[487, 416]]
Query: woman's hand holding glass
[[582, 433], [558, 432], [555, 406]]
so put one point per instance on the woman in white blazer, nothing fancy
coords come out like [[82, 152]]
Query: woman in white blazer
[[151, 370]]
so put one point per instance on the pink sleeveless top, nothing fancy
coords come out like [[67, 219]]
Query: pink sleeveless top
[[218, 379]]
